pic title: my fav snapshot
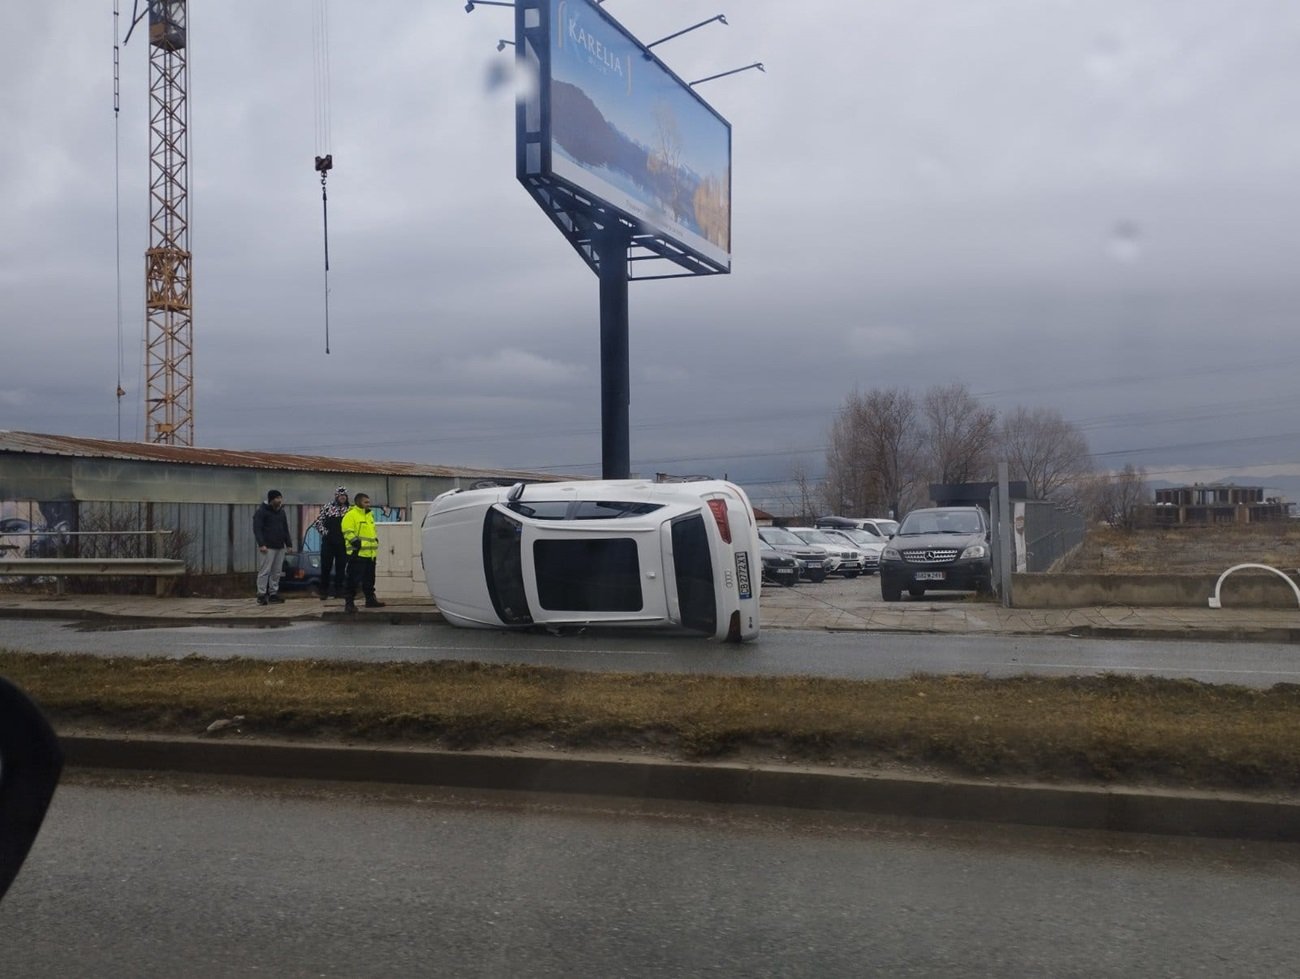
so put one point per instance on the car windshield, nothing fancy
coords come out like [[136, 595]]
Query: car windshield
[[861, 537], [817, 537], [931, 522], [776, 535]]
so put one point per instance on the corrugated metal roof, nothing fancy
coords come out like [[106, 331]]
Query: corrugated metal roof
[[69, 445]]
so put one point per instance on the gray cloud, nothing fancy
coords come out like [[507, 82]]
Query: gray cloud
[[1081, 204]]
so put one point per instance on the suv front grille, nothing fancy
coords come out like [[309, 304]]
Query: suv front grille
[[931, 555]]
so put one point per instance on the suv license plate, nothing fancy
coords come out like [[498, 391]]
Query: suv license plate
[[929, 576], [814, 564]]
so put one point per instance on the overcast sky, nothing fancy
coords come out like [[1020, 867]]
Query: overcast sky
[[1087, 205]]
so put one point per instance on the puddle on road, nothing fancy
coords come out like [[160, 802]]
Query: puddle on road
[[118, 625]]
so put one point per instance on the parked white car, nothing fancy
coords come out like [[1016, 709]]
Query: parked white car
[[876, 526], [867, 544], [815, 562], [608, 552], [850, 563]]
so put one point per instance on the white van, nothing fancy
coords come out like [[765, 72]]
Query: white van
[[878, 526], [600, 552]]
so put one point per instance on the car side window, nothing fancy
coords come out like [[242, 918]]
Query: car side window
[[541, 509], [610, 509]]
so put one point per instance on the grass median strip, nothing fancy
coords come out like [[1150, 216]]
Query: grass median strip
[[1178, 733]]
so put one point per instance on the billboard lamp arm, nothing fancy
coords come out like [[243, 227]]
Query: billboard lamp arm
[[722, 18], [724, 74]]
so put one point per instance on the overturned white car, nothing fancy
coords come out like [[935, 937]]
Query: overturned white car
[[610, 552]]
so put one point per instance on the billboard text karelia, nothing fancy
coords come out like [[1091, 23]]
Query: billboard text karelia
[[630, 133]]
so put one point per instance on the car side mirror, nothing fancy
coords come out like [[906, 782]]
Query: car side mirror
[[30, 763]]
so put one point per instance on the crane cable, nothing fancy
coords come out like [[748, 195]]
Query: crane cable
[[324, 159], [117, 202]]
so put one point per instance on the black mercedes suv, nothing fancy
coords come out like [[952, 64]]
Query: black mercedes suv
[[939, 549]]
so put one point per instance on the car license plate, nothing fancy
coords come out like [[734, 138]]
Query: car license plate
[[929, 576], [814, 565], [742, 575]]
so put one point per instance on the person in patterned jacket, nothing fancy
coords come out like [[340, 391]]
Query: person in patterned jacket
[[333, 552]]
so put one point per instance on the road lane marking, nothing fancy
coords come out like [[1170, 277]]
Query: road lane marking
[[458, 649]]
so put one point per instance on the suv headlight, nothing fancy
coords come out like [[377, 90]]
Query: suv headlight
[[890, 554], [975, 550]]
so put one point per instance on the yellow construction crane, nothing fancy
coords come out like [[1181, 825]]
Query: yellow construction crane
[[169, 328]]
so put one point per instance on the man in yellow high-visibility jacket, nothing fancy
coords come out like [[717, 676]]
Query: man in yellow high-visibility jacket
[[362, 544]]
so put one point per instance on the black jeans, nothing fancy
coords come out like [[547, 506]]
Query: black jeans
[[333, 557], [361, 574]]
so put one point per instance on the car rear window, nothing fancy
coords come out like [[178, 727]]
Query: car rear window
[[600, 575]]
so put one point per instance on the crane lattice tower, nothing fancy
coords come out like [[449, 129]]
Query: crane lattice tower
[[169, 328]]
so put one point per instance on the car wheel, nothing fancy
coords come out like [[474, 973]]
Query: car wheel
[[916, 591], [890, 593], [851, 574]]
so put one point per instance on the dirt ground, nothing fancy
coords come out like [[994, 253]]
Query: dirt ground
[[1188, 549]]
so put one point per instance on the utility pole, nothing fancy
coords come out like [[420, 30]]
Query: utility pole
[[169, 348]]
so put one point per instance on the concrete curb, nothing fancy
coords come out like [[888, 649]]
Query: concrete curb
[[433, 616], [1259, 634], [1122, 810]]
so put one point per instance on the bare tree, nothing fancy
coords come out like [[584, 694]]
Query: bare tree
[[961, 434], [1049, 453], [802, 485], [1115, 498], [873, 453]]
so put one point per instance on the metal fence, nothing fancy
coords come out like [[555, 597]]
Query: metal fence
[[1050, 533], [211, 538], [1030, 536]]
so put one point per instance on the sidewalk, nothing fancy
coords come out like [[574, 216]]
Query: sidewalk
[[843, 606]]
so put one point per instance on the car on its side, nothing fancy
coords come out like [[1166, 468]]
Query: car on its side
[[940, 549], [815, 562], [600, 552], [778, 568], [851, 560], [867, 544]]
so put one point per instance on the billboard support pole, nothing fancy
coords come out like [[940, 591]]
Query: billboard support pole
[[612, 244]]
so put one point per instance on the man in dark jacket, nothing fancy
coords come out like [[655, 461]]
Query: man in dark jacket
[[271, 528], [333, 552]]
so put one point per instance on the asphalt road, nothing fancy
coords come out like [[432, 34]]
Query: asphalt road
[[203, 877], [779, 652]]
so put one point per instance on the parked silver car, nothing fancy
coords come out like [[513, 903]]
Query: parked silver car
[[850, 563], [815, 562], [867, 544]]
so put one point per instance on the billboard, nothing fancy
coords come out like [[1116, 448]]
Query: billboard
[[620, 127]]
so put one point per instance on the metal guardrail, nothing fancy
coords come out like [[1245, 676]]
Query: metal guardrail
[[61, 567], [50, 543]]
